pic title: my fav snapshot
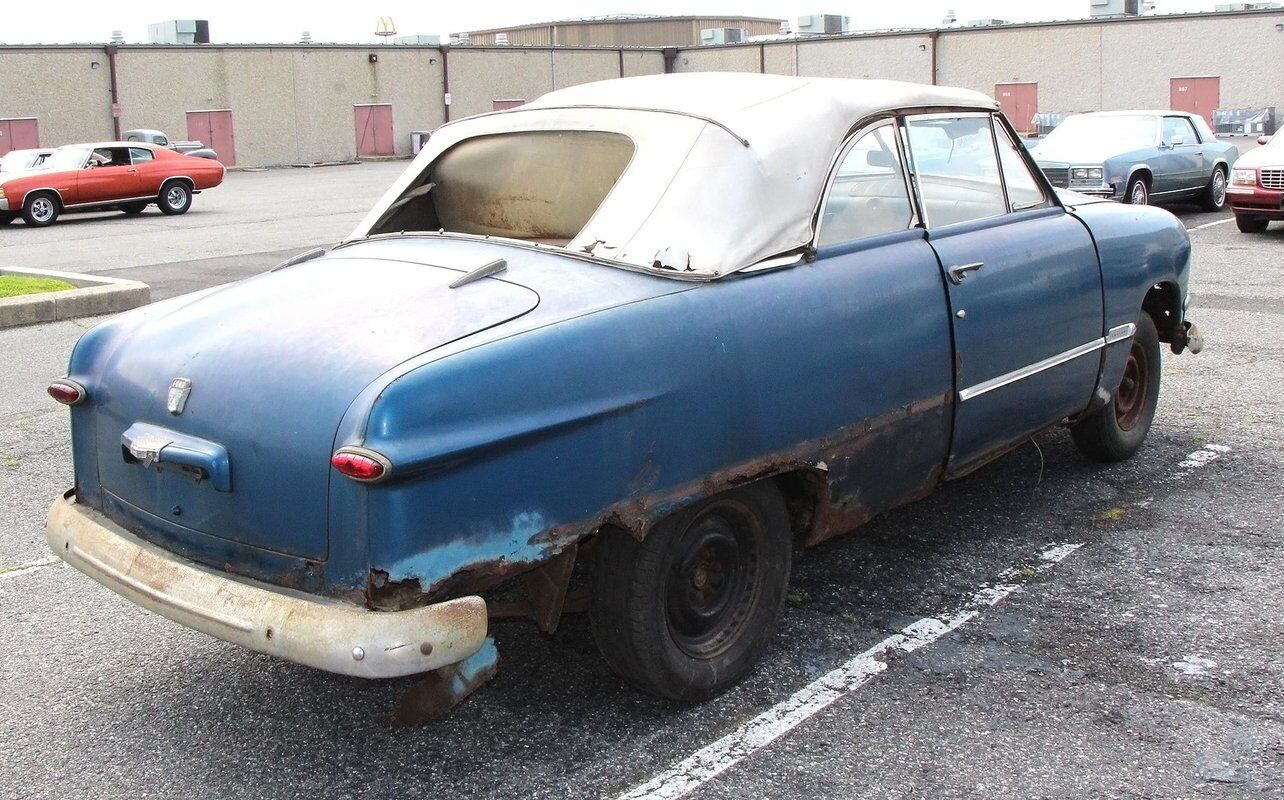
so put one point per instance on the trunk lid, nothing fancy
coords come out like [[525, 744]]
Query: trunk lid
[[271, 363]]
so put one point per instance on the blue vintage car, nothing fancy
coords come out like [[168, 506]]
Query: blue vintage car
[[618, 350], [1138, 157]]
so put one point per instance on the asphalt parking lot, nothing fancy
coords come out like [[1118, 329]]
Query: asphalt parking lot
[[1046, 627]]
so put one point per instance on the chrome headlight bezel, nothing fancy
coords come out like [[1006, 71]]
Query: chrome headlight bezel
[[1243, 177], [1087, 174]]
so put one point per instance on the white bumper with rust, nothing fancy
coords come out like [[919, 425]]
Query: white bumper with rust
[[319, 632]]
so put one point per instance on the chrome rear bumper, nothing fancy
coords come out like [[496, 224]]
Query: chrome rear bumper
[[318, 632]]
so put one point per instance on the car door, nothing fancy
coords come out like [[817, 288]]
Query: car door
[[109, 175], [150, 174], [1022, 280], [1182, 156], [873, 358]]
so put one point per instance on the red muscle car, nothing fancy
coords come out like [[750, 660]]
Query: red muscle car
[[127, 176]]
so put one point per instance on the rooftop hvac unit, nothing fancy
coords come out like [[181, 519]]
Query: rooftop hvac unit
[[821, 24], [987, 23], [117, 37], [1115, 8], [501, 38], [1246, 6], [462, 40], [179, 31], [723, 35]]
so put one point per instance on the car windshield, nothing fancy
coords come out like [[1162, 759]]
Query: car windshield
[[69, 158], [1125, 132], [15, 160]]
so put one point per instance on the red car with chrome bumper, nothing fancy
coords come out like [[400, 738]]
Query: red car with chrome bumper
[[126, 176], [1256, 191]]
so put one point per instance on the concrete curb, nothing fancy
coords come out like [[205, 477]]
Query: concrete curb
[[93, 295]]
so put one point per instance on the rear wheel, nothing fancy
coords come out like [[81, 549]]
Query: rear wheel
[[175, 198], [688, 611], [1116, 431], [1214, 198], [133, 209], [1138, 193], [1247, 224], [40, 209]]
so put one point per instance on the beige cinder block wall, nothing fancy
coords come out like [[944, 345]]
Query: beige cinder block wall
[[1138, 59], [68, 90], [1064, 60], [902, 58], [289, 104]]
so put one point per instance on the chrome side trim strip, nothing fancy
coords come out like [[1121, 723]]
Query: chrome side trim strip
[[1120, 332], [1031, 369]]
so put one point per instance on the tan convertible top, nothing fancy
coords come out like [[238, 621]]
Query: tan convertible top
[[728, 167]]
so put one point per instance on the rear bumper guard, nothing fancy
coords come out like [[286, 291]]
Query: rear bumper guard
[[327, 634]]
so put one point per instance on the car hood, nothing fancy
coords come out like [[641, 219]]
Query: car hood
[[1074, 153], [1269, 156]]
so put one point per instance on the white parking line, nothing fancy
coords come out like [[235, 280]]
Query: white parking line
[[1211, 224], [32, 567], [689, 774]]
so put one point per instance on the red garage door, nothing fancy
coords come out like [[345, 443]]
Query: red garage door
[[1196, 96], [374, 129], [214, 129], [1020, 102], [18, 134], [504, 105]]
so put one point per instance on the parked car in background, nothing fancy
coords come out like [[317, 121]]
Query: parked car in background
[[1256, 192], [19, 160], [566, 344], [94, 177], [159, 139], [1138, 157]]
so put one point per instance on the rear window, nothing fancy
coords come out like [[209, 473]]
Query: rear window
[[541, 186]]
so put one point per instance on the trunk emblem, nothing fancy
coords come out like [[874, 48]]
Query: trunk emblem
[[179, 389]]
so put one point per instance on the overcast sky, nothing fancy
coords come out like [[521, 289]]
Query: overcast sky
[[241, 21]]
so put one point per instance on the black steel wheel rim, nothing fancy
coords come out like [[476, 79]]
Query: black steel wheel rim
[[713, 579]]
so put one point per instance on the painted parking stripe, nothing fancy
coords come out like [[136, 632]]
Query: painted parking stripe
[[23, 569], [689, 774], [1211, 224]]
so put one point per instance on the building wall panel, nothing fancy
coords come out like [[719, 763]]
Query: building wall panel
[[902, 58], [62, 89], [717, 59], [477, 77], [1063, 60], [572, 67], [643, 62]]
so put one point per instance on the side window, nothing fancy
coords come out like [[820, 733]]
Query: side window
[[1023, 190], [1179, 130], [956, 168], [868, 195], [140, 155]]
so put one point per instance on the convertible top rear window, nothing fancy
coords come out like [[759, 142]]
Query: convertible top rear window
[[539, 186]]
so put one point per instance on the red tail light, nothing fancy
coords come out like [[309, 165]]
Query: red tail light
[[361, 464], [66, 391]]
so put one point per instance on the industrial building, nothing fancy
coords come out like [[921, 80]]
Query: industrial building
[[622, 30], [309, 103]]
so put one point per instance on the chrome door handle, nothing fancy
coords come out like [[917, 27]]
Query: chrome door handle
[[959, 271]]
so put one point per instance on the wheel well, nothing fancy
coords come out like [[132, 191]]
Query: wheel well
[[1145, 173], [37, 192], [804, 490], [1163, 304], [191, 185]]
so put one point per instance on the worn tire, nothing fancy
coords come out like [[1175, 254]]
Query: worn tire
[[175, 197], [133, 209], [1214, 196], [1138, 191], [650, 598], [40, 209], [1116, 431], [1247, 224]]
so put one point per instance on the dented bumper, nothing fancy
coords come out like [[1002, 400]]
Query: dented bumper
[[318, 632]]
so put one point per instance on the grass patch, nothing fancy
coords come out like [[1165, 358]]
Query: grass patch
[[14, 285]]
